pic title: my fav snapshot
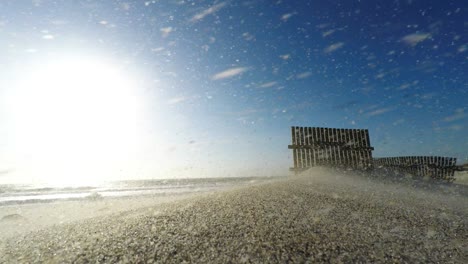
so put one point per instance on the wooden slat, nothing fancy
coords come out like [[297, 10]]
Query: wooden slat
[[321, 152], [327, 154], [335, 148], [340, 150], [353, 144], [293, 135], [360, 154], [345, 151], [422, 166], [307, 151], [364, 159], [331, 138], [317, 153], [310, 142], [299, 160], [301, 132], [443, 164], [320, 146], [304, 151]]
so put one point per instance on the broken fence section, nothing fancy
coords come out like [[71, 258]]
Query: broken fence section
[[442, 168], [319, 146]]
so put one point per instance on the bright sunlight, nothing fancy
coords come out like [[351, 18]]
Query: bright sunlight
[[75, 119]]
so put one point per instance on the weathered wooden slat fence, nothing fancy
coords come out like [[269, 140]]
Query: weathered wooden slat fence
[[350, 148], [319, 146], [442, 168]]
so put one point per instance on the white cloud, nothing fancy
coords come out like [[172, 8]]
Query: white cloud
[[37, 2], [328, 33], [287, 16], [322, 26], [379, 111], [267, 85], [166, 31], [303, 75], [209, 11], [459, 114], [125, 6], [176, 100], [229, 73], [48, 37], [333, 47], [285, 56], [462, 48], [247, 36], [380, 75], [158, 49], [415, 38], [455, 127], [58, 22]]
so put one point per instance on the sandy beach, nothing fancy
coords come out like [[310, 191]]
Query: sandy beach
[[16, 220], [320, 216]]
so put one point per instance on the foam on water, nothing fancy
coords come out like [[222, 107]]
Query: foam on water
[[16, 194]]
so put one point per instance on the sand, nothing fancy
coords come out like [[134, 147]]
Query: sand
[[16, 220], [461, 177], [321, 216]]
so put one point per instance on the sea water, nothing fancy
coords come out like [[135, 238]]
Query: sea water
[[21, 194]]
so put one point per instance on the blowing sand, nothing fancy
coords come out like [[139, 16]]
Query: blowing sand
[[317, 217]]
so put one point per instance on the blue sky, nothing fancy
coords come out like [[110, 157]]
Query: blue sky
[[223, 81]]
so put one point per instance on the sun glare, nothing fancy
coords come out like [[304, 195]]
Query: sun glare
[[75, 119]]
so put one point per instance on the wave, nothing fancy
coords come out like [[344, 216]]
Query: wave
[[26, 194]]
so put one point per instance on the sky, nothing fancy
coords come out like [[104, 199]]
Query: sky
[[215, 86]]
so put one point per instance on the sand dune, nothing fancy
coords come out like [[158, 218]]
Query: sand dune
[[319, 217]]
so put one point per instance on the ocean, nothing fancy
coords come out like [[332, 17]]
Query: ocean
[[25, 194]]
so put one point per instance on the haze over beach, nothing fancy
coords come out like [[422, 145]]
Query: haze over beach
[[168, 131]]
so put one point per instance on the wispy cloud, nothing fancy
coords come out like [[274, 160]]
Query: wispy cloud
[[287, 16], [322, 26], [285, 56], [462, 48], [229, 73], [459, 114], [333, 47], [57, 22], [246, 112], [328, 33], [48, 37], [267, 85], [247, 36], [456, 127], [415, 38], [303, 75], [379, 111], [207, 12], [158, 49], [176, 100], [166, 31]]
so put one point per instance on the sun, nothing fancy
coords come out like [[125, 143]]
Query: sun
[[75, 119]]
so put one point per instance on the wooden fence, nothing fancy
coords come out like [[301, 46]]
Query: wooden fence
[[318, 146], [442, 168]]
